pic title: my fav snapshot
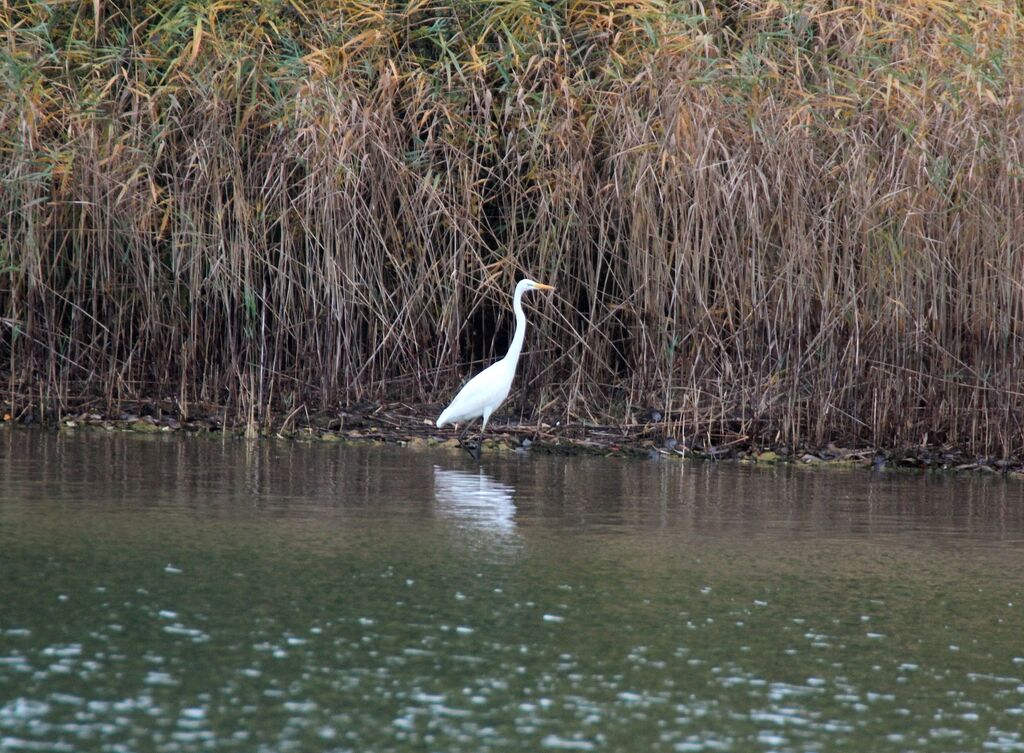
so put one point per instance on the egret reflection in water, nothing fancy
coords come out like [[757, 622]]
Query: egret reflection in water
[[476, 499]]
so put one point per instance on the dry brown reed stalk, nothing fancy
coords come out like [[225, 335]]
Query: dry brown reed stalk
[[793, 221]]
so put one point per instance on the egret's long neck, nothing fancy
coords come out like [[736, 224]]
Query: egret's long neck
[[517, 339]]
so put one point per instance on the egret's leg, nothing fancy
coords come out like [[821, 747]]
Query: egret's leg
[[483, 428], [462, 436], [479, 443]]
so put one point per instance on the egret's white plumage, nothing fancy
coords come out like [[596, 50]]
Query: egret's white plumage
[[488, 389]]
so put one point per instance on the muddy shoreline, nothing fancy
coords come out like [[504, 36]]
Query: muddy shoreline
[[405, 425]]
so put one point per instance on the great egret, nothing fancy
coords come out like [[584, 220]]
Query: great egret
[[488, 389]]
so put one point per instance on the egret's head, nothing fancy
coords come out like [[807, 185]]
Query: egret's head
[[533, 285]]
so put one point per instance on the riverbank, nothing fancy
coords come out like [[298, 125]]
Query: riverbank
[[413, 427], [793, 223]]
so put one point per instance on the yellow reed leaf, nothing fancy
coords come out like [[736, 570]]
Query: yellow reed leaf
[[197, 40]]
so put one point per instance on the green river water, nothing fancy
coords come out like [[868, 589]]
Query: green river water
[[196, 594]]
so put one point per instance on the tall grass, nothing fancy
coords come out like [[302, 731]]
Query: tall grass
[[794, 221]]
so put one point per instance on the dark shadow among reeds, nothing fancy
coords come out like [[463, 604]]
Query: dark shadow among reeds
[[798, 221]]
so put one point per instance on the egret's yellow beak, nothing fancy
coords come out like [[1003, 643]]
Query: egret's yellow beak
[[542, 286]]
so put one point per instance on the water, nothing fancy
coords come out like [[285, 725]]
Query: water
[[186, 594]]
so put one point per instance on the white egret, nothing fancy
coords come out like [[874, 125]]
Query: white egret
[[487, 390]]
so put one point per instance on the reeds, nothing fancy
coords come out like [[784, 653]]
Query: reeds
[[794, 221]]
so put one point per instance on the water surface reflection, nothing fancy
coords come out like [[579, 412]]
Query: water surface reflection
[[475, 499]]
